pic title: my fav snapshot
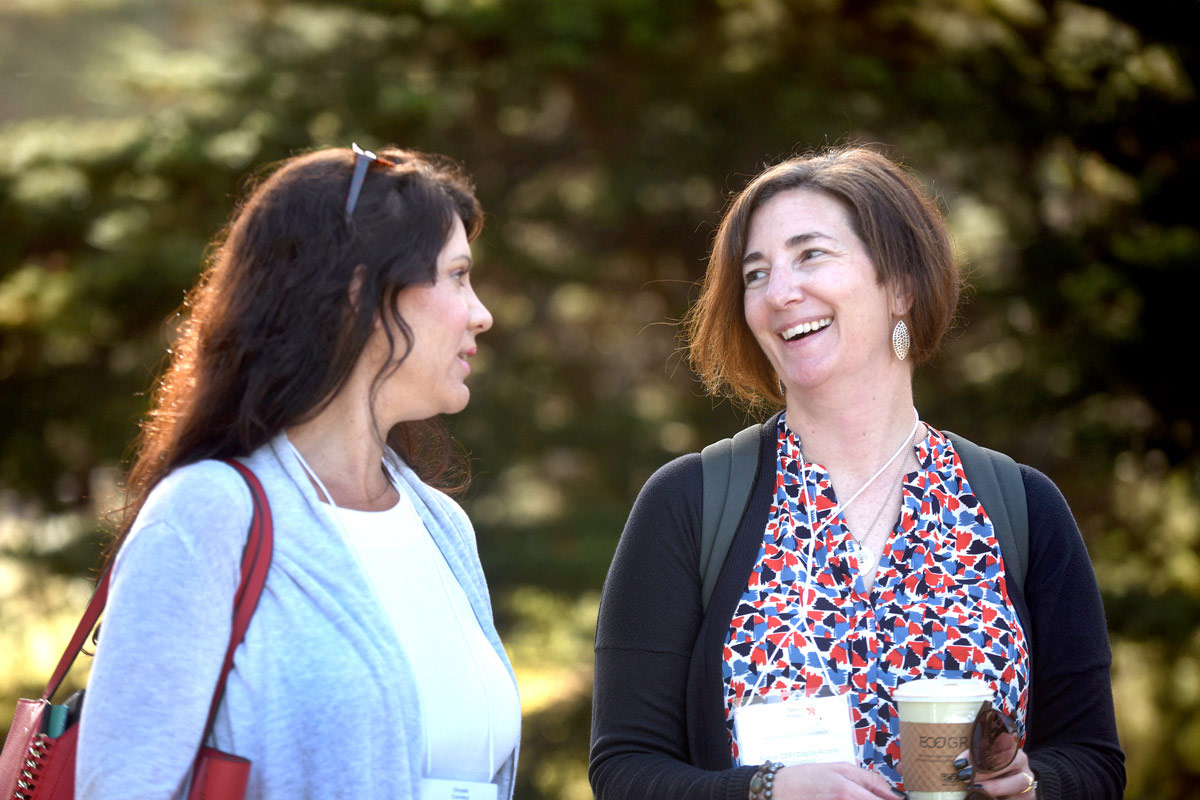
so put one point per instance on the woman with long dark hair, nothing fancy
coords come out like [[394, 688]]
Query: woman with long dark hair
[[333, 325]]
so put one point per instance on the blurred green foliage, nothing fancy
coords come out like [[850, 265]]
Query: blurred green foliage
[[605, 136]]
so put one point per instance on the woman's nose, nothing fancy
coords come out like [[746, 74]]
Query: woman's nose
[[481, 318], [784, 287]]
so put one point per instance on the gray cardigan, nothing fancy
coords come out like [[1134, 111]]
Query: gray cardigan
[[321, 697]]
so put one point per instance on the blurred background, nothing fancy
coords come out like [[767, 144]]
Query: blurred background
[[605, 137]]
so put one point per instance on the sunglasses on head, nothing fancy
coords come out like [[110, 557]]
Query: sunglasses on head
[[363, 159], [993, 746]]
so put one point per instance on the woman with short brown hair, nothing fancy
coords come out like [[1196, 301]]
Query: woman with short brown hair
[[863, 559]]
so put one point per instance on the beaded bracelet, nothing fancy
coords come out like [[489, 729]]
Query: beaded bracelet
[[763, 780]]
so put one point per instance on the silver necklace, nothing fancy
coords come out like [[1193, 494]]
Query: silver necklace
[[866, 556], [841, 507]]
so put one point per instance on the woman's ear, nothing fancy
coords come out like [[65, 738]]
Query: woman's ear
[[901, 297], [356, 283], [354, 291]]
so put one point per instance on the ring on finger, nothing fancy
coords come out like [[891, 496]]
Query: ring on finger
[[1032, 785]]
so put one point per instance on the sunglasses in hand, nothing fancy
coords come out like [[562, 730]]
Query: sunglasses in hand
[[993, 747]]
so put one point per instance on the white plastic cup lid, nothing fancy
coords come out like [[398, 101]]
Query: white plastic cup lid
[[934, 689]]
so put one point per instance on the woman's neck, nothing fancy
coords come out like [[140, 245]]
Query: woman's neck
[[345, 449], [852, 432]]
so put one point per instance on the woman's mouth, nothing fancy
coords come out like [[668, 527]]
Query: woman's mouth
[[797, 332], [463, 358]]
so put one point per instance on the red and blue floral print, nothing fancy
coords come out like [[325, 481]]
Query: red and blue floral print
[[939, 605]]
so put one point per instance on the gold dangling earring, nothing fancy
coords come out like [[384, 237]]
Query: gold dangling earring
[[900, 340]]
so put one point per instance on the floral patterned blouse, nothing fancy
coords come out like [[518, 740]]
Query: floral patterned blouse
[[939, 605]]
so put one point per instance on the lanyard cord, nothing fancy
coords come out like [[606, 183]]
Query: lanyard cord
[[445, 591], [807, 598], [840, 508]]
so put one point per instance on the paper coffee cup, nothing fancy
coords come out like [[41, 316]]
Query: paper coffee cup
[[936, 715]]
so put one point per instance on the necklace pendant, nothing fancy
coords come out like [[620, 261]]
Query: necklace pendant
[[866, 558]]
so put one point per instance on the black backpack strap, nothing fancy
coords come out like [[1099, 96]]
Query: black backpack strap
[[996, 480], [729, 467]]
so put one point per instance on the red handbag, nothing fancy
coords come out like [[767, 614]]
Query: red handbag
[[35, 766]]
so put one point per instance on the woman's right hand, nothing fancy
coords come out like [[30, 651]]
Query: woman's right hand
[[832, 781]]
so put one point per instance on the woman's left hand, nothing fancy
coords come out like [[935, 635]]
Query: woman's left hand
[[1015, 782]]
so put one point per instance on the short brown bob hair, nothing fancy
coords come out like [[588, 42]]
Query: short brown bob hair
[[894, 216]]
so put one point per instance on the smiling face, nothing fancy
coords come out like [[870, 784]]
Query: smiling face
[[445, 317], [812, 297]]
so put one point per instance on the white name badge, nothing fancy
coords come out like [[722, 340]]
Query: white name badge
[[439, 789], [799, 730]]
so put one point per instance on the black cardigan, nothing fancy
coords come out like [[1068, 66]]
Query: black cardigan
[[658, 717]]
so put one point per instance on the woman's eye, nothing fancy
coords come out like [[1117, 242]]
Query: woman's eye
[[754, 276], [812, 252]]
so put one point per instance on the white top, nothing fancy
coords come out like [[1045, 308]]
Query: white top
[[469, 703]]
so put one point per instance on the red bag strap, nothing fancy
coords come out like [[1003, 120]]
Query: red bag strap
[[90, 616], [256, 560]]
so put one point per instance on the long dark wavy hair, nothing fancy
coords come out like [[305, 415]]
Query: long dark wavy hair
[[273, 328]]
